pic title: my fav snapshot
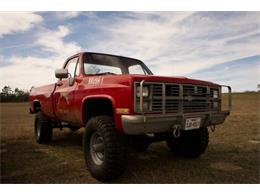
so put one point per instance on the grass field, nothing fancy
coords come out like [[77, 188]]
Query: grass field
[[232, 156]]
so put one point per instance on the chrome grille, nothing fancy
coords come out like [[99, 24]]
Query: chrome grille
[[157, 105], [172, 105], [157, 90], [197, 105], [184, 98], [172, 90], [188, 90]]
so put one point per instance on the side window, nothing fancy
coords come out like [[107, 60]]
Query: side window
[[72, 65]]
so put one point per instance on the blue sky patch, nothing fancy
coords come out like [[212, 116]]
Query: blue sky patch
[[221, 47]]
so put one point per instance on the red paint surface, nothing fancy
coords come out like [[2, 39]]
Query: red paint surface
[[65, 103]]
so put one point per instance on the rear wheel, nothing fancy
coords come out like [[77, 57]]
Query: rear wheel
[[42, 128], [190, 144], [105, 149]]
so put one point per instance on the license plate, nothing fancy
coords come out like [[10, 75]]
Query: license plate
[[192, 123]]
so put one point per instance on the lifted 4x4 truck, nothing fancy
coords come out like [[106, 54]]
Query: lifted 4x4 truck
[[123, 105]]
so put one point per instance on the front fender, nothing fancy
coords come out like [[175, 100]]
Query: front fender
[[117, 118]]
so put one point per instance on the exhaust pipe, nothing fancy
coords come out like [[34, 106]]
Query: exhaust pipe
[[176, 132]]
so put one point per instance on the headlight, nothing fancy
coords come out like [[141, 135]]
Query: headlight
[[145, 91], [215, 94]]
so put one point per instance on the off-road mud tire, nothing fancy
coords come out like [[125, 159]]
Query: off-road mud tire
[[42, 128], [114, 150], [190, 144]]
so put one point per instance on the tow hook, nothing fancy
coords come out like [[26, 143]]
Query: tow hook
[[176, 131], [212, 128]]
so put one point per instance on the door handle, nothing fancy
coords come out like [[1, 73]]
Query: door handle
[[78, 80], [59, 84]]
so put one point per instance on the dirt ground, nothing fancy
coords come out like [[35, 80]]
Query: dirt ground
[[232, 156]]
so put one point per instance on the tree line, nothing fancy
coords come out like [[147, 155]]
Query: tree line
[[16, 95]]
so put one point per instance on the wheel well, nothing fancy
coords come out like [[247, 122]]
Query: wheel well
[[36, 106], [97, 106]]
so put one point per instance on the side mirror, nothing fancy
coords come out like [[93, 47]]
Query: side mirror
[[71, 81], [61, 73]]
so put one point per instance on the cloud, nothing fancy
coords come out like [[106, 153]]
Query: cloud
[[241, 74], [170, 43], [178, 43], [53, 41], [138, 34], [13, 22], [24, 72], [67, 15]]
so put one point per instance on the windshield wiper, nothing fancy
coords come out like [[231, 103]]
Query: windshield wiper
[[105, 73]]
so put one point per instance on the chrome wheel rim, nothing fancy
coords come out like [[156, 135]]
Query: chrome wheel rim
[[97, 148]]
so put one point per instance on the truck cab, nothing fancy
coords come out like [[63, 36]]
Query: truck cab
[[122, 105]]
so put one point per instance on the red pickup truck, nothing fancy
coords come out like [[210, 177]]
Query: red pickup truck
[[123, 105]]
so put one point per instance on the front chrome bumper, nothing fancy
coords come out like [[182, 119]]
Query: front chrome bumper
[[141, 124]]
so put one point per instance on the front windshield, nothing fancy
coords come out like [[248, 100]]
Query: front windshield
[[99, 64]]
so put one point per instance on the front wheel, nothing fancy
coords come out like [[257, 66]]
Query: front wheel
[[105, 149], [190, 144]]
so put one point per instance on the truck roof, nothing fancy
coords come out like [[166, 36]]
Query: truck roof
[[87, 52]]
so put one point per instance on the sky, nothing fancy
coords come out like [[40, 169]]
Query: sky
[[222, 47]]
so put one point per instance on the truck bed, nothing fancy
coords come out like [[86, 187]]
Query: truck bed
[[43, 94]]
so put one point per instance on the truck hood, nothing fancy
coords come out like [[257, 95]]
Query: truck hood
[[173, 79], [127, 80]]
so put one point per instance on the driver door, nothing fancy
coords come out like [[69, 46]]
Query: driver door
[[65, 91]]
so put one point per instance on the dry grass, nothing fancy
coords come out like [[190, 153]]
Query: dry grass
[[232, 156]]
